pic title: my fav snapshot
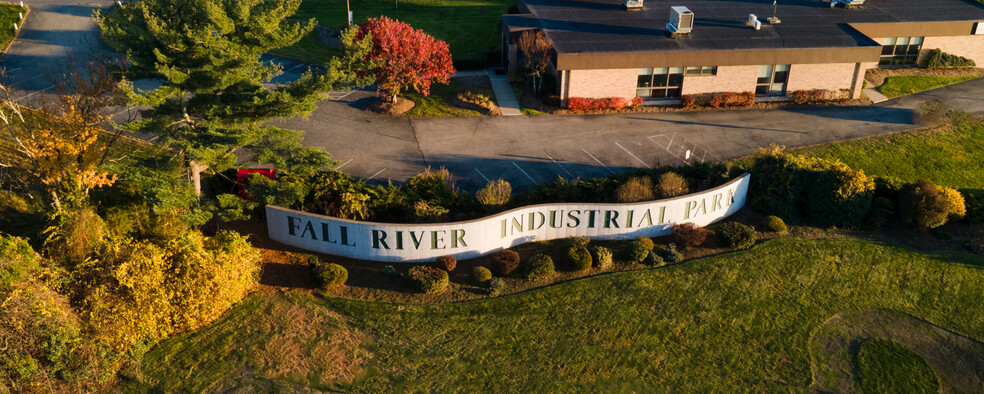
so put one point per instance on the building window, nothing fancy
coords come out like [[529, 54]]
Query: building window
[[702, 70], [898, 51], [772, 80], [660, 82]]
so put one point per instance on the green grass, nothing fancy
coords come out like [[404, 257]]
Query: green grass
[[309, 49], [436, 104], [470, 27], [950, 157], [735, 322], [901, 86], [9, 14], [885, 366]]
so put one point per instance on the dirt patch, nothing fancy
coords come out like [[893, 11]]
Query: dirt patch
[[382, 106], [469, 101], [876, 76], [958, 360]]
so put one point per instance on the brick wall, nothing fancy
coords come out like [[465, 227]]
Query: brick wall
[[728, 79], [828, 76], [603, 83], [971, 47]]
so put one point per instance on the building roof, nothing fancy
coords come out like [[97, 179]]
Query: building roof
[[605, 26]]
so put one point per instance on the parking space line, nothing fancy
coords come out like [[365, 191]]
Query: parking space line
[[598, 161], [634, 156], [377, 173], [487, 180], [524, 172], [343, 164], [39, 91], [558, 164]]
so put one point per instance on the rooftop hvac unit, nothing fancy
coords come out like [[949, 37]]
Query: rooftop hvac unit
[[632, 4], [681, 20], [852, 3]]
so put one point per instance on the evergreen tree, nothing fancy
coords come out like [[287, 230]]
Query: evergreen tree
[[213, 101]]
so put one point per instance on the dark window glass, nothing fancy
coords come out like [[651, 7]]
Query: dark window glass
[[675, 80], [659, 93], [645, 81], [887, 49], [762, 89], [673, 92], [781, 76]]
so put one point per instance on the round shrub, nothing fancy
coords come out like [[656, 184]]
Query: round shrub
[[330, 275], [671, 256], [539, 266], [958, 206], [495, 193], [504, 262], [496, 285], [672, 184], [924, 205], [481, 274], [602, 256], [653, 260], [578, 241], [636, 189], [579, 258], [645, 242], [639, 249], [736, 235], [688, 235], [447, 263], [775, 224], [427, 279]]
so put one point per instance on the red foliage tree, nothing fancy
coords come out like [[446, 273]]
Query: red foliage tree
[[402, 56]]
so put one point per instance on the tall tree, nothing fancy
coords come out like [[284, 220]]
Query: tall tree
[[213, 101], [402, 57], [535, 47]]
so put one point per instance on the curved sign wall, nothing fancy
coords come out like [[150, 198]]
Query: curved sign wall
[[409, 243]]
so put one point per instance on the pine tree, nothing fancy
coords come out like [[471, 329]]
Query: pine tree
[[213, 100]]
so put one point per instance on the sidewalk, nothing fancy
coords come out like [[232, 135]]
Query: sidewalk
[[504, 96]]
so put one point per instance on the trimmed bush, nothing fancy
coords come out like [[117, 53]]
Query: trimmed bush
[[939, 59], [602, 257], [447, 263], [579, 258], [974, 204], [391, 271], [495, 193], [671, 256], [614, 103], [578, 242], [924, 205], [495, 286], [639, 249], [958, 207], [481, 274], [636, 189], [427, 279], [329, 275], [504, 262], [736, 235], [671, 184], [539, 266], [688, 235], [774, 224], [653, 260]]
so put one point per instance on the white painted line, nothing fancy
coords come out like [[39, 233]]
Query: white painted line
[[377, 173], [671, 142], [14, 69], [599, 161], [343, 164], [154, 139], [524, 172], [558, 164], [128, 109], [487, 180], [634, 156], [39, 91]]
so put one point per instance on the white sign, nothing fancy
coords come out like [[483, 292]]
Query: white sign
[[410, 243]]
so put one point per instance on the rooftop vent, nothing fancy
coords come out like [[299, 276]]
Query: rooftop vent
[[681, 21], [632, 4]]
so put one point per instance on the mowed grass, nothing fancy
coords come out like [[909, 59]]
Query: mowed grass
[[952, 156], [886, 366], [903, 85], [10, 14], [309, 49], [436, 104], [735, 322], [470, 27]]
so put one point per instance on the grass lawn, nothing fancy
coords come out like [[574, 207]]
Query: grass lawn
[[951, 157], [436, 104], [885, 366], [309, 49], [903, 85], [470, 27], [10, 14], [735, 322]]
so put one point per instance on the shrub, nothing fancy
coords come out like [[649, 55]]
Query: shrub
[[731, 99], [653, 260], [939, 59], [429, 212], [670, 255], [504, 262], [602, 257], [775, 224], [329, 275], [539, 266], [634, 190], [496, 285], [613, 103], [639, 249], [882, 209], [578, 241], [672, 184], [924, 205], [17, 260], [481, 274], [495, 193], [688, 101], [688, 235], [958, 207], [806, 96], [447, 263], [579, 258], [974, 204], [428, 279], [736, 235], [391, 271]]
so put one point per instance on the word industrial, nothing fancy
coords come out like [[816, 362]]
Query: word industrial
[[422, 242]]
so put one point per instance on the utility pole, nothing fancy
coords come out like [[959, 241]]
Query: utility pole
[[348, 12]]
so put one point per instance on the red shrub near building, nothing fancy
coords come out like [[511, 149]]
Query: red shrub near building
[[613, 103], [731, 99]]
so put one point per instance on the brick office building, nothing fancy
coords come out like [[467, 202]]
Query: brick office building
[[602, 48]]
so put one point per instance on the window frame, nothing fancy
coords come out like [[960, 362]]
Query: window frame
[[668, 85], [701, 71], [900, 51]]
